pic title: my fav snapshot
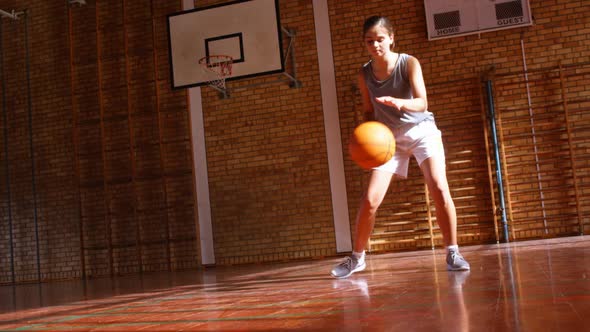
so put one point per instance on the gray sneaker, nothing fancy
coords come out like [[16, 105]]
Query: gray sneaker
[[349, 266], [456, 262]]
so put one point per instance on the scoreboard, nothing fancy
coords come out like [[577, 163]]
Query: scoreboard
[[452, 18]]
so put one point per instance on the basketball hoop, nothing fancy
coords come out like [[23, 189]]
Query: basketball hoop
[[218, 68]]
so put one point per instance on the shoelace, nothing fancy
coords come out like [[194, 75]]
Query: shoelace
[[347, 263]]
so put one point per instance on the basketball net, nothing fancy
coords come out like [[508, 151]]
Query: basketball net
[[218, 68]]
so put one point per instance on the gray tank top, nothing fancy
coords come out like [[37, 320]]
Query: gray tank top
[[397, 85]]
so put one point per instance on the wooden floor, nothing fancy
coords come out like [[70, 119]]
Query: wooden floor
[[526, 286]]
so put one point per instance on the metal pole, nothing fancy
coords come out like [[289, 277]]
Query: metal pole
[[75, 142], [5, 125], [570, 147], [499, 181], [31, 145], [105, 181], [534, 135]]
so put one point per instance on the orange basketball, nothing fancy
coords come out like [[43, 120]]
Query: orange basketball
[[372, 144]]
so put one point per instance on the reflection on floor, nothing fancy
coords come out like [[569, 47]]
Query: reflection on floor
[[527, 286]]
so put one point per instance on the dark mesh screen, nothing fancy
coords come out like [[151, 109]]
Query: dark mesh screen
[[447, 20], [509, 10]]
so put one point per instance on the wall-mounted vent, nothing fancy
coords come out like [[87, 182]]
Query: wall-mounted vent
[[462, 17]]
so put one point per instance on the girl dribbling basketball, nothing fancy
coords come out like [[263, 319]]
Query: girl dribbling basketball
[[393, 92]]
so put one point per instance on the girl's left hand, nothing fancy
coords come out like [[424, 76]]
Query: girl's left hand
[[390, 101]]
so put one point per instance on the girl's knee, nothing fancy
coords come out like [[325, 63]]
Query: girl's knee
[[441, 191], [371, 203]]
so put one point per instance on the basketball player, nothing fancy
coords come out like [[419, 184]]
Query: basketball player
[[393, 92]]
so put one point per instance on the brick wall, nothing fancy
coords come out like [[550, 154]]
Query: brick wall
[[110, 141], [112, 191], [267, 163]]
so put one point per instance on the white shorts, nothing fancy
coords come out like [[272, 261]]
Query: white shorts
[[422, 140]]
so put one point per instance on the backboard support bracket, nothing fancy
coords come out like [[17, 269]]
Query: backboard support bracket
[[289, 77]]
